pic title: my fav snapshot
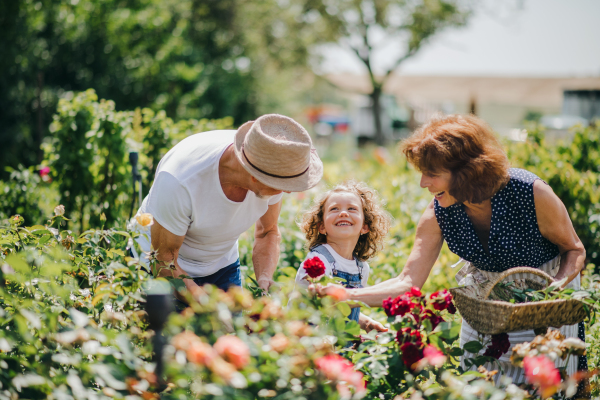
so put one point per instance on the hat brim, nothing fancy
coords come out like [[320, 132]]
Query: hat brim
[[300, 183]]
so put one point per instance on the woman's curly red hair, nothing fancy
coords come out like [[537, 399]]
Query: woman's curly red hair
[[376, 218], [467, 147]]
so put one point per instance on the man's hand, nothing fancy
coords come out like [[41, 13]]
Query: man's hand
[[167, 247], [265, 283], [368, 324]]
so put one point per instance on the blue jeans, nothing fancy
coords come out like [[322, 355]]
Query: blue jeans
[[223, 279], [352, 281]]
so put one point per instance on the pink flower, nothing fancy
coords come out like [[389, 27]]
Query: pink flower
[[334, 367], [314, 267], [434, 356], [542, 372], [337, 368], [44, 171], [234, 350]]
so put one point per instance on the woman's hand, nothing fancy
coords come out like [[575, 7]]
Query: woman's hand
[[369, 324], [338, 292]]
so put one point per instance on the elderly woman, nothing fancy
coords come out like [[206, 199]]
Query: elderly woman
[[492, 216]]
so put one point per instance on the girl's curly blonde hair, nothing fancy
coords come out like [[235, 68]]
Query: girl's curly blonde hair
[[376, 218]]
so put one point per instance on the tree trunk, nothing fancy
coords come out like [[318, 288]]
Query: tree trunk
[[376, 106]]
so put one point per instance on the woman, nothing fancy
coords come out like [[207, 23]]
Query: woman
[[493, 217]]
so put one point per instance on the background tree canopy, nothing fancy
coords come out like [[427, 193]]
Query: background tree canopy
[[193, 59], [185, 57]]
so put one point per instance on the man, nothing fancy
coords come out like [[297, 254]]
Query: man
[[213, 186]]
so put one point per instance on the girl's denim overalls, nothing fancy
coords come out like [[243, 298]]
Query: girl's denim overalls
[[351, 280]]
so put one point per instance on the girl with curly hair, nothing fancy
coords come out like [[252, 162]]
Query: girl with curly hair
[[345, 227]]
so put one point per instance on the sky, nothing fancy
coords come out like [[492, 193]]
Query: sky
[[553, 38]]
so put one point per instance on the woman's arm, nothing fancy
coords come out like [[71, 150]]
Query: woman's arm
[[428, 243], [556, 226]]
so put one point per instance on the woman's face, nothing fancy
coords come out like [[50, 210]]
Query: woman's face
[[438, 184]]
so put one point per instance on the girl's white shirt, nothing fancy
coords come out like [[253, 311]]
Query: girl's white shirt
[[341, 264]]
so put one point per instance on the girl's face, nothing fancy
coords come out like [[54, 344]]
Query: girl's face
[[438, 185], [343, 217]]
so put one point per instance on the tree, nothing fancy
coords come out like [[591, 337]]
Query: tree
[[410, 23], [186, 57]]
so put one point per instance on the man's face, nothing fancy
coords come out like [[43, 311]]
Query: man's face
[[263, 191]]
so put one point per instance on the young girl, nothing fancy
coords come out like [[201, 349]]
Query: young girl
[[344, 228]]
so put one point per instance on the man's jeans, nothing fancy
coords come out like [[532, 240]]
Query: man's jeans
[[223, 279]]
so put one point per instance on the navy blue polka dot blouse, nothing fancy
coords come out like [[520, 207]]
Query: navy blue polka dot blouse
[[515, 239]]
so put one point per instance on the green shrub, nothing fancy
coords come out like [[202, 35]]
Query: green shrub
[[23, 193], [88, 153], [572, 170]]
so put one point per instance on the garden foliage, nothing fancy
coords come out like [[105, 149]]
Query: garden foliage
[[73, 314], [89, 151]]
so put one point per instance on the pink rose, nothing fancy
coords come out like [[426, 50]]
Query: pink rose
[[542, 372], [334, 367], [434, 356], [44, 171], [234, 350]]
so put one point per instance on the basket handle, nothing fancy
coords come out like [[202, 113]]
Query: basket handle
[[517, 270]]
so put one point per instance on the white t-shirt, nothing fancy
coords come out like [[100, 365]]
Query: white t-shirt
[[186, 198], [341, 264]]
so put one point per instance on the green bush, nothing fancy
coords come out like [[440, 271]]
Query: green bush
[[89, 149], [23, 193], [572, 170]]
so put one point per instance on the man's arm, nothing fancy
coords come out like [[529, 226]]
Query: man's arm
[[167, 246], [556, 226], [265, 253]]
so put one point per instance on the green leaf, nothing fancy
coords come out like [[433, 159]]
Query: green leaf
[[352, 327], [344, 309], [473, 347]]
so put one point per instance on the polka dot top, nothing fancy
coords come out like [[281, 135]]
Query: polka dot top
[[515, 239]]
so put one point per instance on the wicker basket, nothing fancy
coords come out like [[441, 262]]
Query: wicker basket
[[493, 316]]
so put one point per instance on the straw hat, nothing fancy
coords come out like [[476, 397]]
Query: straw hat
[[278, 152]]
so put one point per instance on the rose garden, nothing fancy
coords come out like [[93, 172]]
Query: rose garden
[[75, 315]]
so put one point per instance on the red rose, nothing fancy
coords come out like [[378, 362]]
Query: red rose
[[433, 318], [500, 345], [314, 267], [415, 291], [409, 335], [442, 300], [398, 306], [411, 354]]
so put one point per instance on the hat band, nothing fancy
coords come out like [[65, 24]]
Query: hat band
[[272, 175]]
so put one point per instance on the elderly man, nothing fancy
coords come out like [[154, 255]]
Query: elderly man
[[213, 186]]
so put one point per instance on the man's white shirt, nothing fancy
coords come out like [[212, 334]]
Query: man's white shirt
[[186, 198]]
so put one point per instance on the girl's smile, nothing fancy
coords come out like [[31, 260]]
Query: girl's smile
[[343, 218]]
